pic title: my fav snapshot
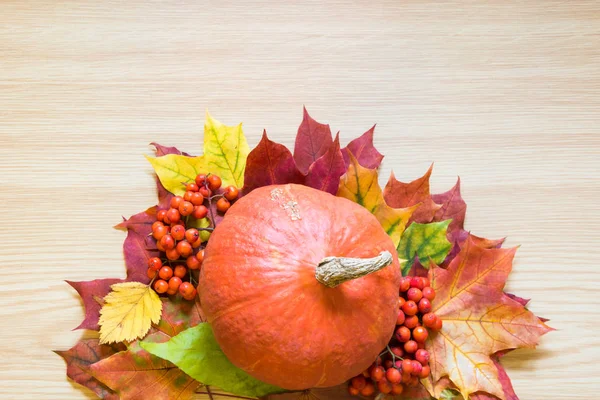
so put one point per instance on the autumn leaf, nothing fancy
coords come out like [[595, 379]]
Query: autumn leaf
[[312, 141], [128, 312], [270, 163], [164, 196], [324, 174], [453, 207], [363, 150], [399, 194], [137, 374], [92, 294], [85, 353], [360, 185], [173, 170], [164, 150], [196, 352], [225, 151], [428, 242], [479, 320]]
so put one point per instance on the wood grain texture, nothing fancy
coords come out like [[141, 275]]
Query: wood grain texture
[[505, 94]]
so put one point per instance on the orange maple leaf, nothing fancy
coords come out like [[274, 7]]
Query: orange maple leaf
[[479, 319]]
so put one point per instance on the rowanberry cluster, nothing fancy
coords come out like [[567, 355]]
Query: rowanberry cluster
[[179, 237], [405, 360]]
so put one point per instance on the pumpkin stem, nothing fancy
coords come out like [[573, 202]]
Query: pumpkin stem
[[333, 271]]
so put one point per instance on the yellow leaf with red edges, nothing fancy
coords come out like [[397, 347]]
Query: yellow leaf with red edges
[[479, 319], [360, 185]]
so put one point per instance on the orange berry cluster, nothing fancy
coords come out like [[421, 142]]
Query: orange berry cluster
[[405, 359], [182, 243]]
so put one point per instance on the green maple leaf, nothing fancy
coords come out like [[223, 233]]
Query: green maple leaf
[[426, 241]]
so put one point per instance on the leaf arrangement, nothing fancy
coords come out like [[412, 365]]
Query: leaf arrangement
[[162, 348]]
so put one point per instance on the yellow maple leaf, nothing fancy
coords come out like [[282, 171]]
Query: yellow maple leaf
[[128, 312], [360, 185], [225, 154]]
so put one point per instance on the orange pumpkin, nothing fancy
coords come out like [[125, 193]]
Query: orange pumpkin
[[301, 287]]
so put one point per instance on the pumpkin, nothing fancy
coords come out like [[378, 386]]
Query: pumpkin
[[300, 287]]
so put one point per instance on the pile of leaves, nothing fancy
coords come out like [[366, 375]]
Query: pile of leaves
[[161, 347]]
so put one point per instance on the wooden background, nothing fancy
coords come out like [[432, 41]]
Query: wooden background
[[503, 93]]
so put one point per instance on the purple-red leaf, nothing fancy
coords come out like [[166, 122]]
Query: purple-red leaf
[[161, 150], [312, 141], [453, 207], [164, 196], [362, 148], [140, 222], [324, 174], [270, 163], [85, 353], [138, 248], [92, 293]]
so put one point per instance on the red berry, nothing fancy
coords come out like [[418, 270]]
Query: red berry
[[186, 208], [167, 242], [388, 364], [191, 187], [184, 248], [377, 373], [159, 232], [191, 296], [174, 283], [368, 390], [438, 324], [358, 382], [420, 334], [353, 391], [401, 317], [401, 301], [159, 246], [420, 345], [429, 320], [405, 283], [178, 232], [426, 283], [197, 199], [173, 215], [172, 254], [407, 366], [171, 292], [192, 263], [425, 372], [410, 308], [403, 334], [411, 346], [223, 204], [151, 273], [424, 306], [176, 201], [397, 351], [231, 193], [191, 235], [414, 381], [393, 375], [406, 377], [414, 294], [187, 196], [180, 271], [165, 273], [200, 180], [417, 367], [205, 192], [186, 288], [384, 386], [214, 182], [200, 256], [154, 263], [422, 356], [160, 286], [429, 293], [411, 322], [200, 212], [397, 389], [416, 282], [161, 215], [156, 224]]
